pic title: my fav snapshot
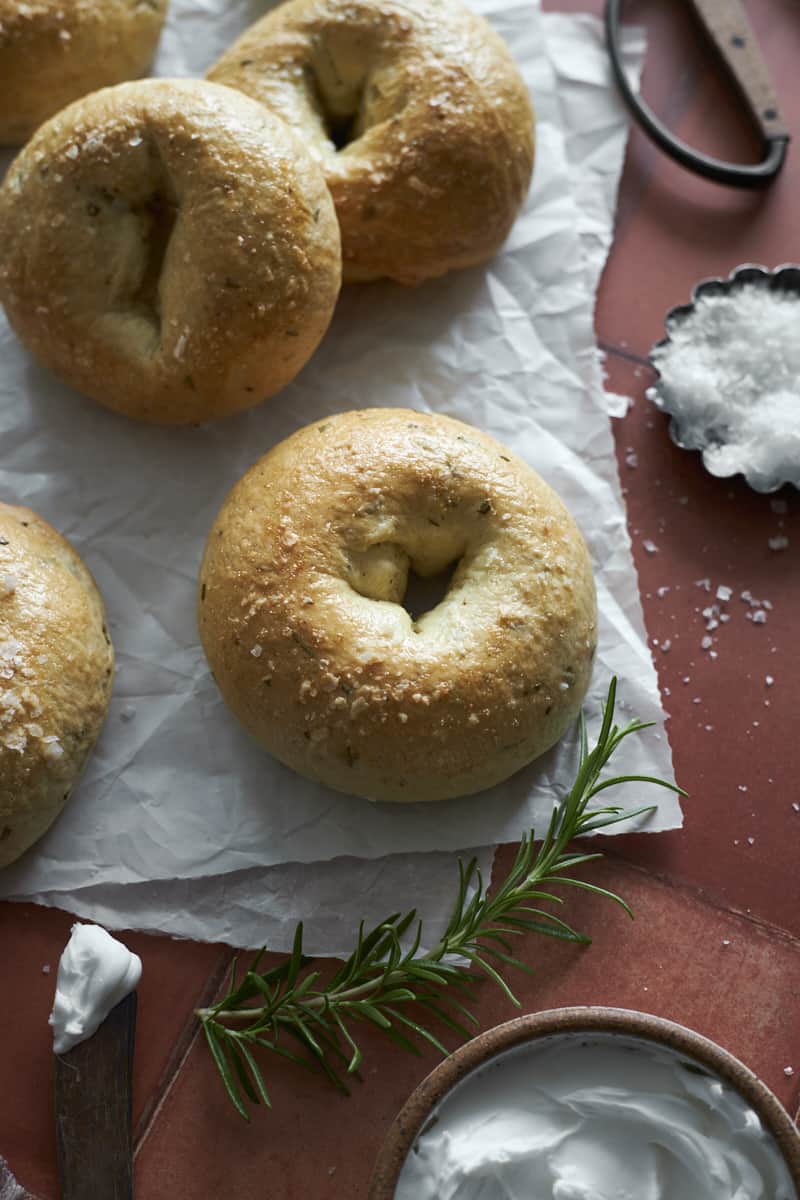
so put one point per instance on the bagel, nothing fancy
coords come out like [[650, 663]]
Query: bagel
[[54, 51], [170, 249], [302, 621], [56, 668], [418, 115]]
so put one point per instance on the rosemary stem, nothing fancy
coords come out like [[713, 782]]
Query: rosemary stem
[[336, 998]]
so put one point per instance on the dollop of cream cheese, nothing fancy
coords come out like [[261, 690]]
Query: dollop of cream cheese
[[94, 974], [599, 1117]]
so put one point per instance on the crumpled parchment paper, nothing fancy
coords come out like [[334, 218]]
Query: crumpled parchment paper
[[181, 823]]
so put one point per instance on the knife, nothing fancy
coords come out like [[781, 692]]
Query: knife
[[93, 1111]]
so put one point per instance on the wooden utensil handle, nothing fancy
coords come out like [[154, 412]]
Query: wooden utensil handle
[[93, 1111], [727, 25]]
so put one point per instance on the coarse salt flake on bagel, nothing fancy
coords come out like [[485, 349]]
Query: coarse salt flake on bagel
[[302, 616], [169, 248], [56, 674], [418, 114], [55, 51]]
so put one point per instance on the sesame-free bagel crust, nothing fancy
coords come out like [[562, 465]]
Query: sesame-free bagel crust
[[301, 618], [170, 249], [418, 115], [56, 674], [55, 51]]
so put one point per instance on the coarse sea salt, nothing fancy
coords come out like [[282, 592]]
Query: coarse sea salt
[[730, 375]]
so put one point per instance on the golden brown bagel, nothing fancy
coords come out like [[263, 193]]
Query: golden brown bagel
[[56, 667], [431, 113], [169, 248], [54, 51], [301, 617]]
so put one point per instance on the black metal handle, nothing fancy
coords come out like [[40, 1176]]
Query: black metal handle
[[743, 175]]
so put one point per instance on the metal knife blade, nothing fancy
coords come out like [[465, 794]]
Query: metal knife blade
[[93, 1111]]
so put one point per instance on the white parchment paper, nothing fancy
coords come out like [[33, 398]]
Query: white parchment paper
[[181, 822]]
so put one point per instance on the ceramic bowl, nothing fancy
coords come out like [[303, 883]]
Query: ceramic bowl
[[590, 1020], [784, 279]]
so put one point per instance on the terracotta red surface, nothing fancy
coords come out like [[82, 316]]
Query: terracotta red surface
[[716, 940]]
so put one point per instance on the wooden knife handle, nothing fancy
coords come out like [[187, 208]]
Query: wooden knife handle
[[93, 1111], [725, 22]]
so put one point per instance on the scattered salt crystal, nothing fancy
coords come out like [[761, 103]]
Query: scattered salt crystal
[[751, 841], [662, 591], [780, 542], [796, 806], [713, 654], [128, 712], [726, 941], [53, 749], [705, 584], [135, 141], [631, 460], [767, 604], [46, 969], [665, 645], [769, 680], [760, 617], [708, 728], [695, 699], [723, 592], [707, 642], [649, 546], [742, 787], [257, 651], [724, 618], [686, 679], [788, 1072]]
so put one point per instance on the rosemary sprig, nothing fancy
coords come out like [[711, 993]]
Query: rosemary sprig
[[288, 1010]]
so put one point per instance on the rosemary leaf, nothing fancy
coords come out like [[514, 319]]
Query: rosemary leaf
[[380, 977]]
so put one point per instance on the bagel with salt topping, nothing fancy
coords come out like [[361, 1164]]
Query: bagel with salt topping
[[302, 620], [170, 249], [56, 673], [55, 51], [418, 115]]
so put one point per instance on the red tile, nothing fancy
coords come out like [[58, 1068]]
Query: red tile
[[732, 734], [175, 977], [671, 961]]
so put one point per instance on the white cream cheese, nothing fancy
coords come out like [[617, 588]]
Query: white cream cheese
[[594, 1117], [94, 974]]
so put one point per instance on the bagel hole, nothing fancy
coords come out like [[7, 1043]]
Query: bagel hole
[[336, 81], [341, 131], [159, 215], [424, 593]]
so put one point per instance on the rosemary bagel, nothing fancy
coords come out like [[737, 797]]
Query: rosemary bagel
[[302, 621], [418, 115], [55, 51], [56, 668], [169, 248]]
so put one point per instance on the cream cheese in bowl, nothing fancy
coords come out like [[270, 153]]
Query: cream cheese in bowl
[[594, 1116]]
